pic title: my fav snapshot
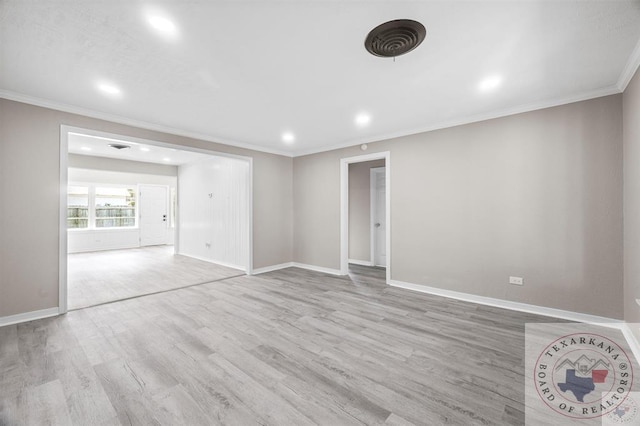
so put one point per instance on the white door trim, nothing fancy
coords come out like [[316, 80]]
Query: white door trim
[[64, 179], [373, 198], [62, 223], [249, 269], [344, 206]]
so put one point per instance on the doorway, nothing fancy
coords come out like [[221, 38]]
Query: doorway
[[131, 217], [378, 223], [378, 248], [153, 215]]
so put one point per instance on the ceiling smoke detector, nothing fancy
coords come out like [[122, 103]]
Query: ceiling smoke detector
[[395, 38], [119, 146]]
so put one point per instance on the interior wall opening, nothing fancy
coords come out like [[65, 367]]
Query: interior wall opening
[[365, 216], [140, 217], [367, 246]]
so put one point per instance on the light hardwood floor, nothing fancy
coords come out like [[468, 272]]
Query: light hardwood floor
[[290, 347], [105, 276]]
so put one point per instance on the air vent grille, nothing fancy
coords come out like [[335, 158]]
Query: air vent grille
[[119, 146], [395, 38]]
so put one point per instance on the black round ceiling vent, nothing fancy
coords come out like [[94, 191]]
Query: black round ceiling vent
[[395, 38]]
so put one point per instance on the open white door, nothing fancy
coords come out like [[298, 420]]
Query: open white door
[[153, 215], [378, 216]]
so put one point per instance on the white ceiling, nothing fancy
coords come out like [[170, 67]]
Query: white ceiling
[[98, 146], [245, 72]]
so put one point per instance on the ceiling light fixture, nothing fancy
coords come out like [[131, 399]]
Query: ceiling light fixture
[[109, 89], [288, 137], [490, 83], [363, 119], [395, 38], [161, 24], [167, 159], [144, 148], [85, 148]]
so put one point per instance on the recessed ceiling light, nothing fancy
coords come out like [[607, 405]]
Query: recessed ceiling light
[[288, 137], [144, 148], [167, 159], [490, 83], [109, 89], [162, 25], [363, 119], [85, 148]]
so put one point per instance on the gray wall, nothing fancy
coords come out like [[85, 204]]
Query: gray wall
[[536, 195], [114, 164], [29, 176], [360, 209], [631, 126]]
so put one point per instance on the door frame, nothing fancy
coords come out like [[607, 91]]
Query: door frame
[[344, 207], [64, 179], [373, 198]]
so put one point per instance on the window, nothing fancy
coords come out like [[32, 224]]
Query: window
[[91, 206], [115, 207], [78, 207]]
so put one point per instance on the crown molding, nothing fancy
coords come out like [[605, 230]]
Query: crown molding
[[598, 93], [630, 68], [606, 91], [31, 100]]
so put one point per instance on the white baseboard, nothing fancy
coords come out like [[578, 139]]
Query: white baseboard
[[514, 306], [361, 262], [317, 268], [296, 265], [215, 262], [102, 248], [632, 340], [29, 316], [265, 269]]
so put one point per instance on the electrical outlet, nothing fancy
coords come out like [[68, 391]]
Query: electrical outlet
[[516, 280]]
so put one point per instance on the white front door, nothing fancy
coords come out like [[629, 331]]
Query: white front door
[[379, 216], [153, 215]]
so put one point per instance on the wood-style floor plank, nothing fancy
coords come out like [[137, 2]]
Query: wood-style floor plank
[[286, 347], [105, 276]]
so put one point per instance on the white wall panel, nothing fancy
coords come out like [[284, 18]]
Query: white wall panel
[[213, 211], [102, 239]]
